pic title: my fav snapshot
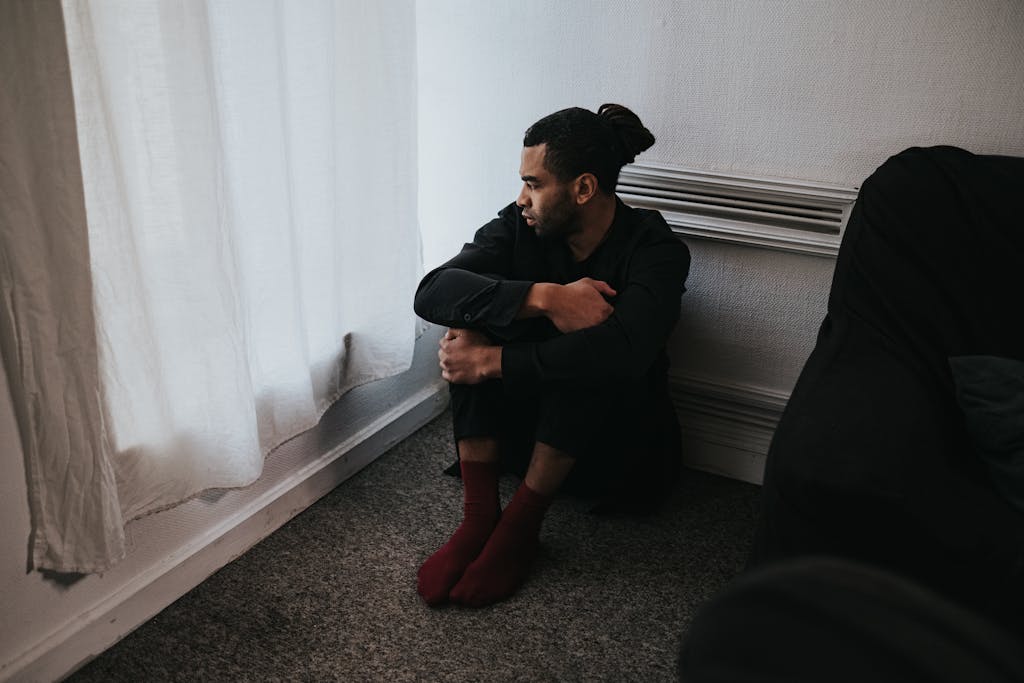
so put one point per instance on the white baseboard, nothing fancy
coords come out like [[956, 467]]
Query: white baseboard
[[726, 461], [90, 633], [727, 427]]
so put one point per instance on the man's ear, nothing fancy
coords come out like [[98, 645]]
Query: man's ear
[[586, 188]]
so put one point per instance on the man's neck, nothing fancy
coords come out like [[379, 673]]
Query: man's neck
[[596, 221]]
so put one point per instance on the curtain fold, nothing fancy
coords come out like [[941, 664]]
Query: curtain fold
[[249, 183], [47, 328]]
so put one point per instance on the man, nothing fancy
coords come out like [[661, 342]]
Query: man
[[559, 312]]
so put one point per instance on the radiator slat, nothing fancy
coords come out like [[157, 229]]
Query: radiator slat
[[774, 213]]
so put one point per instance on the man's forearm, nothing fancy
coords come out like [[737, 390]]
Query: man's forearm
[[454, 297], [538, 300], [570, 307]]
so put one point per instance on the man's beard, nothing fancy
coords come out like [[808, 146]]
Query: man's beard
[[560, 221]]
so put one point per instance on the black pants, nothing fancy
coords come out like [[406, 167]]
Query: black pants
[[624, 435]]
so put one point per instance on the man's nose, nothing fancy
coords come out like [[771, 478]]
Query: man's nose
[[523, 199]]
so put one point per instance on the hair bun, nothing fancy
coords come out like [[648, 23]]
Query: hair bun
[[632, 134]]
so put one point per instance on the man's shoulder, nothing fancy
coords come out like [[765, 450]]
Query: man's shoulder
[[650, 218], [648, 225], [652, 241]]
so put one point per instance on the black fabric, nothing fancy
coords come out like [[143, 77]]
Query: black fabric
[[990, 391], [553, 384], [823, 620], [871, 459]]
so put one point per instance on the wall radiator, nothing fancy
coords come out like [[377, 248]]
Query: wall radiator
[[771, 213]]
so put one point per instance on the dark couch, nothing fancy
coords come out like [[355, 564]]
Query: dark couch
[[873, 460]]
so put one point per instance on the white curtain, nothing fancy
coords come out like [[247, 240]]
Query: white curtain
[[47, 327], [249, 181]]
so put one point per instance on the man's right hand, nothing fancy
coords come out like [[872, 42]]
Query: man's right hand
[[570, 307]]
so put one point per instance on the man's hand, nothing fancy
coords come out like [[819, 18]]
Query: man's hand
[[468, 357], [571, 307]]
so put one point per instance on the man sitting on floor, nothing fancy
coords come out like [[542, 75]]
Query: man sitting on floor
[[559, 311]]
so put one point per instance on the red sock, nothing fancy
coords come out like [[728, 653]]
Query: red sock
[[505, 561], [480, 513]]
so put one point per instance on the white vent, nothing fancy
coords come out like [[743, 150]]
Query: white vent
[[791, 215]]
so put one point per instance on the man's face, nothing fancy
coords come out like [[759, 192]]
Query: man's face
[[548, 205]]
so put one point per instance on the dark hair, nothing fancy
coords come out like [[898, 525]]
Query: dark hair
[[580, 141]]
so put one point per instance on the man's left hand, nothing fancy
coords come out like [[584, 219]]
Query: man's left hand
[[468, 357]]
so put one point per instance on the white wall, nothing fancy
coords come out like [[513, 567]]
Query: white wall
[[820, 91]]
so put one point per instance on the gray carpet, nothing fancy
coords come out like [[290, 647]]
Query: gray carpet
[[331, 595]]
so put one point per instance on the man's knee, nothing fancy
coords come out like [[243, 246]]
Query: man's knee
[[477, 409], [574, 419]]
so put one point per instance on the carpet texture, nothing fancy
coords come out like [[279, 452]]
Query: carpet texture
[[331, 596]]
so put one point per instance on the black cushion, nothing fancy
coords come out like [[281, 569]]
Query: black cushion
[[990, 391]]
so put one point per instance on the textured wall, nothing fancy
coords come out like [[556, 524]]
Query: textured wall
[[826, 90], [821, 91], [750, 315]]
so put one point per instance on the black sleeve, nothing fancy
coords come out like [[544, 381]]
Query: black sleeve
[[474, 288], [624, 346]]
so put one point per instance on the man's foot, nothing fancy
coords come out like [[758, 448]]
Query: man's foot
[[443, 569], [506, 559]]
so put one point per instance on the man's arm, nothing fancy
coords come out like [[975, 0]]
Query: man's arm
[[600, 342], [570, 307], [626, 344], [622, 346], [468, 357], [474, 289]]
